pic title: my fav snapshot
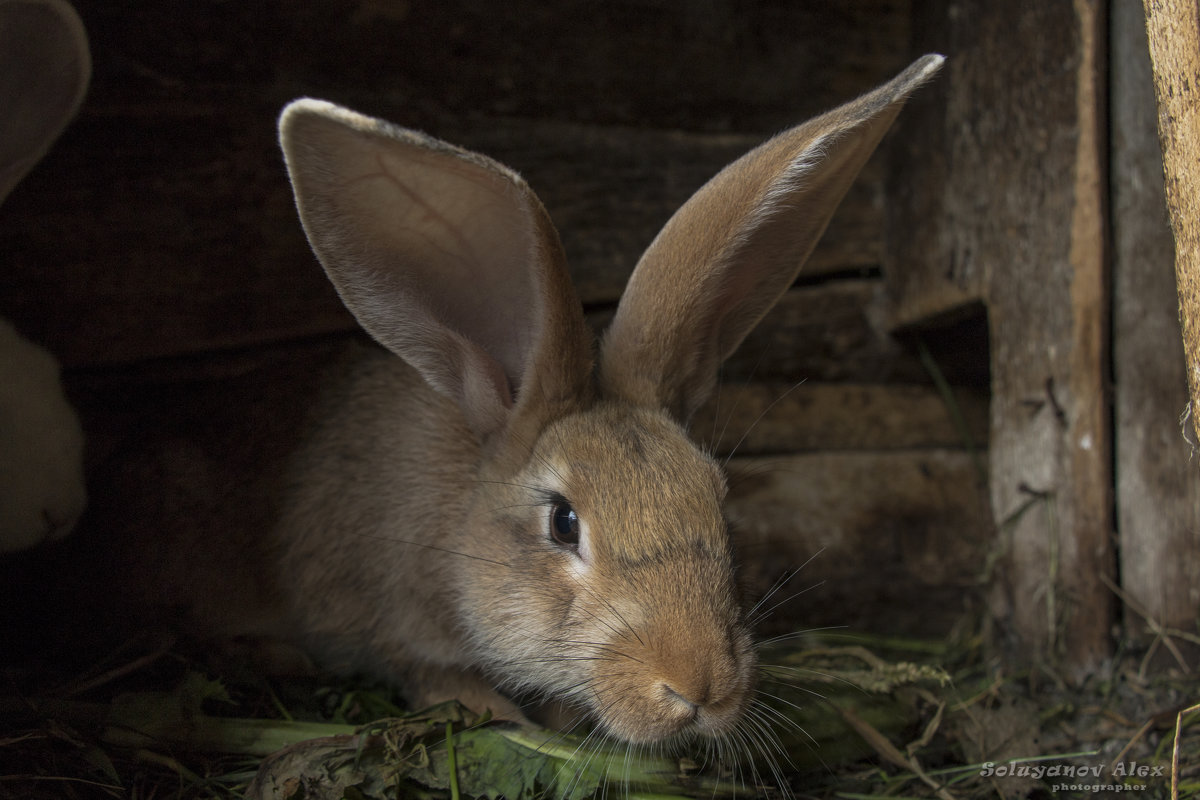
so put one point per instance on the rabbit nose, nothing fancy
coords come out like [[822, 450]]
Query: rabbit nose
[[705, 686]]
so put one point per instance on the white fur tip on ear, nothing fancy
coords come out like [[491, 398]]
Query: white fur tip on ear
[[930, 63], [322, 109]]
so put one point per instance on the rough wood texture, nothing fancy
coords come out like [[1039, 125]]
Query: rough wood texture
[[1019, 222], [182, 235], [1173, 28], [716, 66], [1158, 483], [774, 418], [887, 542]]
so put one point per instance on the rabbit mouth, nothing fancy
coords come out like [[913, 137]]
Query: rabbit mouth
[[644, 699], [648, 720]]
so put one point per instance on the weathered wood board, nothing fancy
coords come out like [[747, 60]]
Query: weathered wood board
[[1173, 29], [162, 223], [777, 418], [184, 238], [1017, 220], [886, 542], [1157, 476]]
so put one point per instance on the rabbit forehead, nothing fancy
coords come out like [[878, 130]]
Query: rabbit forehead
[[640, 486]]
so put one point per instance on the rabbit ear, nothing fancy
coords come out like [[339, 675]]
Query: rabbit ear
[[735, 247], [44, 71], [446, 257]]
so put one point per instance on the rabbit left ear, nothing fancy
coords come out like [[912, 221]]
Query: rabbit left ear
[[44, 70], [735, 247], [446, 257]]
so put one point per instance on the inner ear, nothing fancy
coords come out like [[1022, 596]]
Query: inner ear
[[446, 257]]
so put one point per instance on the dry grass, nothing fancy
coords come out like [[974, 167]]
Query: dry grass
[[862, 722]]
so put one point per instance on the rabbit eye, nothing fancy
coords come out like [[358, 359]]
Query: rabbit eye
[[564, 525]]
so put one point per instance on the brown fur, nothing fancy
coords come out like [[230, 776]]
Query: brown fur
[[409, 533]]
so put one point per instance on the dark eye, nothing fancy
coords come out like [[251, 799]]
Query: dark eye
[[564, 525]]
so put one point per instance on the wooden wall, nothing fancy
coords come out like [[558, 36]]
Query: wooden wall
[[1017, 220], [157, 246], [158, 242], [1158, 476], [1047, 208]]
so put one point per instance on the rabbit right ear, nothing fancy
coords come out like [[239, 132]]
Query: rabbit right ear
[[44, 71], [446, 257], [735, 247]]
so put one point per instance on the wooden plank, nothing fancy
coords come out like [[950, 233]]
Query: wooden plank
[[1158, 490], [1017, 218], [888, 542], [1173, 29], [833, 332], [717, 66], [775, 418], [183, 236]]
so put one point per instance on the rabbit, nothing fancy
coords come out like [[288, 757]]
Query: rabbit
[[488, 507], [44, 71], [567, 535]]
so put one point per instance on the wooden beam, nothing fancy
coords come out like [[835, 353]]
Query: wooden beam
[[184, 237], [888, 542], [775, 418], [1173, 27], [1015, 217], [1158, 488]]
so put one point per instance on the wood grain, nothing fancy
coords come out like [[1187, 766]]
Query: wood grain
[[155, 234], [1173, 29], [1158, 486], [1016, 219], [775, 418], [890, 542]]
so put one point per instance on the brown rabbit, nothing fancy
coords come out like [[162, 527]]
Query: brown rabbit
[[483, 508]]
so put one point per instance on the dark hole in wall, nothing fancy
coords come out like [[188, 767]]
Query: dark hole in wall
[[957, 343]]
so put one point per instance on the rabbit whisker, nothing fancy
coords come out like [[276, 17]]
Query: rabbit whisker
[[786, 637], [760, 418], [771, 672], [779, 583], [793, 686], [757, 733], [609, 605], [780, 717], [763, 615], [782, 581]]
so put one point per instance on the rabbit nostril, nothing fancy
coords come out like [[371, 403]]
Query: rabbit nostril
[[688, 706]]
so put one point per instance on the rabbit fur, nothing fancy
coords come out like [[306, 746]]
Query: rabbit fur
[[44, 70], [488, 506], [567, 535]]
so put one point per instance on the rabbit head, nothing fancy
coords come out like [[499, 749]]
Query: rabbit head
[[592, 562]]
